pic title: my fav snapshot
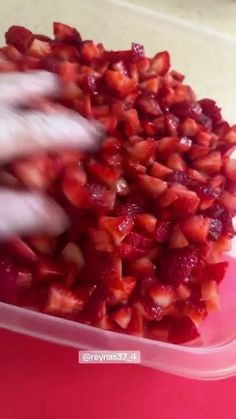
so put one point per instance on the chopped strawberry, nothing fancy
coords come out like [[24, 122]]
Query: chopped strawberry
[[196, 228], [149, 106], [142, 267], [21, 251], [175, 162], [195, 311], [177, 239], [122, 295], [162, 231], [160, 171], [146, 222], [72, 253], [159, 330], [183, 330], [8, 281], [100, 199], [166, 146], [183, 291], [189, 127], [136, 326], [89, 51], [160, 64], [120, 84], [61, 301], [186, 203], [162, 295], [230, 136], [176, 265], [74, 189], [104, 174], [228, 201], [65, 33], [148, 309], [215, 229], [101, 239], [122, 316], [230, 169], [39, 48], [215, 271], [143, 151], [19, 37], [117, 227], [210, 294], [150, 85], [135, 245], [209, 164], [151, 185], [49, 270]]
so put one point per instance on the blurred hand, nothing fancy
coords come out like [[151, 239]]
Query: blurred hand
[[24, 132]]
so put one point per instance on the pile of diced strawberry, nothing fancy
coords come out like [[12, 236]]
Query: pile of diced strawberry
[[151, 212]]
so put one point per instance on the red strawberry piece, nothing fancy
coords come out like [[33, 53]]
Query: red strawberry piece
[[117, 227], [189, 127], [118, 83], [11, 53], [116, 56], [198, 151], [146, 222], [160, 64], [167, 198], [162, 295], [142, 267], [61, 301], [122, 316], [135, 246], [209, 164], [204, 139], [183, 291], [177, 239], [21, 251], [102, 268], [136, 326], [230, 169], [228, 201], [64, 52], [137, 52], [150, 86], [72, 253], [182, 330], [177, 177], [101, 239], [176, 265], [83, 106], [88, 51], [109, 122], [35, 173], [101, 200], [96, 306], [171, 124], [8, 281], [230, 136], [186, 203], [132, 124], [102, 173], [196, 228], [166, 146], [159, 330], [210, 108], [84, 291], [74, 189], [134, 169], [148, 105], [143, 151], [207, 195], [49, 270], [121, 187], [65, 33], [184, 109], [196, 176], [185, 144], [195, 311], [160, 171], [151, 185], [215, 271], [162, 231], [148, 309], [39, 48], [19, 37], [175, 162], [43, 244], [122, 295], [210, 294], [215, 229]]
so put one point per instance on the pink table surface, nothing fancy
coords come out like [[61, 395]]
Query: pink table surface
[[39, 380]]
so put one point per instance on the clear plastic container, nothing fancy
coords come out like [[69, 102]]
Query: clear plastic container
[[209, 60]]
